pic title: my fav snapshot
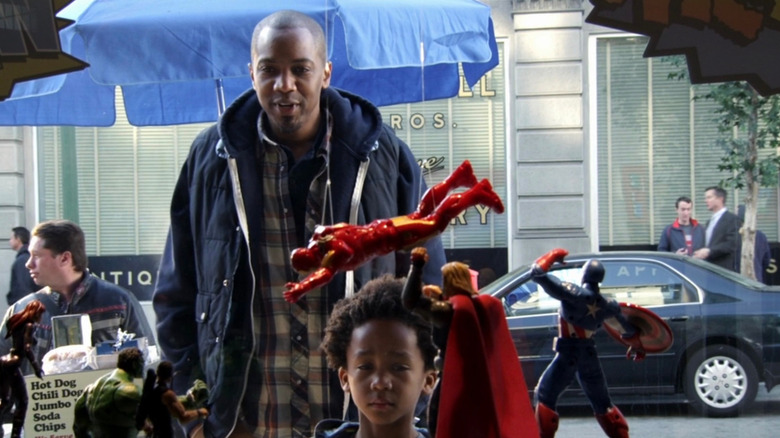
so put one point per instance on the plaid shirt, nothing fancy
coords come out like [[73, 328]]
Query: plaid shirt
[[273, 317]]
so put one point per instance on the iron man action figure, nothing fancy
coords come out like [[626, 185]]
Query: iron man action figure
[[344, 247]]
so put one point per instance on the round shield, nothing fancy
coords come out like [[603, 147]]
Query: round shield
[[654, 332]]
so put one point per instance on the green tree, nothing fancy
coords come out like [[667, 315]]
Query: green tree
[[750, 127]]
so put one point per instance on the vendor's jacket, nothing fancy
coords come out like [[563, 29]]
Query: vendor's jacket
[[109, 308]]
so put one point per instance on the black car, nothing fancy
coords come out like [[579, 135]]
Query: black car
[[726, 329]]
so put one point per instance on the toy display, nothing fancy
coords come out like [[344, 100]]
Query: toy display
[[13, 391], [481, 392], [583, 310], [107, 407], [344, 247], [159, 404]]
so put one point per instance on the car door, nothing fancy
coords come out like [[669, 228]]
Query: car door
[[663, 290], [532, 317]]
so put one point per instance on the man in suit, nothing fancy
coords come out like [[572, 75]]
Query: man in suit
[[722, 239]]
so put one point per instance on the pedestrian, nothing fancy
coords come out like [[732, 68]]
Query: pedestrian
[[291, 154], [383, 354], [685, 235], [722, 241], [21, 282], [58, 264]]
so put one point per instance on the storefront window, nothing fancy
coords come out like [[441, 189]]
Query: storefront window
[[655, 143]]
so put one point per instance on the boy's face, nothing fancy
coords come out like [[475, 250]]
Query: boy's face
[[385, 375]]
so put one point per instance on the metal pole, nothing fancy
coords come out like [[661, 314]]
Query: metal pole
[[220, 97]]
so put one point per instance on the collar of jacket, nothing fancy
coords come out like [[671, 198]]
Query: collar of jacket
[[78, 292], [357, 123], [676, 223]]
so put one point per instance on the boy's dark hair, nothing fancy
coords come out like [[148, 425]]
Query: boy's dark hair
[[23, 234], [378, 299]]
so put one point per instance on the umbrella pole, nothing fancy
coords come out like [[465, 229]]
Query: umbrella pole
[[220, 97]]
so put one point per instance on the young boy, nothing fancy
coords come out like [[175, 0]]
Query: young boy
[[384, 357]]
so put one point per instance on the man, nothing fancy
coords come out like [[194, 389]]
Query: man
[[58, 264], [283, 158], [481, 391], [685, 235], [107, 407], [583, 311], [344, 247], [21, 282], [722, 239]]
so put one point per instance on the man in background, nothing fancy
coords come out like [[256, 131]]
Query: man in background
[[685, 235], [722, 240], [21, 282], [58, 264]]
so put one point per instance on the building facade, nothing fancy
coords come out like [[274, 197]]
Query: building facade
[[588, 143]]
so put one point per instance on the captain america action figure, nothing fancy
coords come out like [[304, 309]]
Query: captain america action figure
[[583, 310]]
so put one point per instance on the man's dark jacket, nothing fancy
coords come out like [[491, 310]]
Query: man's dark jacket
[[725, 242], [21, 282], [205, 281]]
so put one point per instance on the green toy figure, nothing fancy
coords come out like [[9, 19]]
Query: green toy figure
[[107, 407], [159, 404], [196, 397]]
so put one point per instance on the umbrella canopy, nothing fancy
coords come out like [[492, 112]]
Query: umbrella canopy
[[722, 41], [167, 54]]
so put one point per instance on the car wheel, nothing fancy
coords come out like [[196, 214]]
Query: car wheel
[[720, 381]]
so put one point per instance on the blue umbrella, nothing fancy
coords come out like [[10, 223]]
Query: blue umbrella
[[176, 59]]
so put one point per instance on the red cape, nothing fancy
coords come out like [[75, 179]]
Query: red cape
[[483, 392]]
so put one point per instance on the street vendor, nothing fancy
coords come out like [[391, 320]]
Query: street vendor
[[58, 264]]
